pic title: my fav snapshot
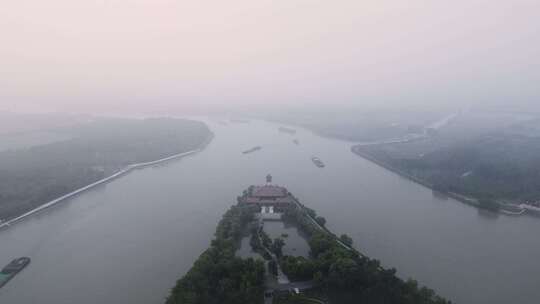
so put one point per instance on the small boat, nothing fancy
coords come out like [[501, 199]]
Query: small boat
[[257, 148], [12, 269], [317, 161]]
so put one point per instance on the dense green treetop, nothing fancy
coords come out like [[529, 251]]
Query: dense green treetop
[[218, 276]]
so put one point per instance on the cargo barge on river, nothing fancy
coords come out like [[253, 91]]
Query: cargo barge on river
[[317, 161], [12, 269], [257, 148]]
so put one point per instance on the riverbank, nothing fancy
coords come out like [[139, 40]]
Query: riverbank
[[95, 150], [218, 276], [342, 273], [108, 179], [459, 197], [120, 227], [324, 229], [337, 270]]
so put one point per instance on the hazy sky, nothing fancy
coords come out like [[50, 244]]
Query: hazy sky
[[163, 54]]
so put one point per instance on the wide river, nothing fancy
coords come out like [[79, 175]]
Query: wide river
[[128, 241]]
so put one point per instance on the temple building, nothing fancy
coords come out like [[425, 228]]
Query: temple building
[[268, 197]]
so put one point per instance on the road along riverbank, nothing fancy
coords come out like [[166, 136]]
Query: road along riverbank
[[504, 209], [118, 174], [169, 211]]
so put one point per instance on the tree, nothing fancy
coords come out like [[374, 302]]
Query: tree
[[318, 278], [320, 220], [343, 273], [218, 276], [298, 268], [272, 267], [489, 204], [277, 246], [320, 243], [345, 239]]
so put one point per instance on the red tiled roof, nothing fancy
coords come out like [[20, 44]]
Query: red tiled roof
[[268, 191], [280, 200]]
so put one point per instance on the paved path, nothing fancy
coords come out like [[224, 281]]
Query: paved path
[[92, 185], [284, 284], [281, 277], [326, 230], [300, 285], [333, 235]]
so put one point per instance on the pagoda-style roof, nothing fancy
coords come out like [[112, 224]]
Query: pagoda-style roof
[[268, 191]]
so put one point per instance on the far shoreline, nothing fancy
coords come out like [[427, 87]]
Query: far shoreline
[[456, 196], [127, 169]]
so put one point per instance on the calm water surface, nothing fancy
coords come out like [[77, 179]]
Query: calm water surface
[[128, 241], [295, 242]]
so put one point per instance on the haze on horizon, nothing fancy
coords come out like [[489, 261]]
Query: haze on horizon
[[160, 55]]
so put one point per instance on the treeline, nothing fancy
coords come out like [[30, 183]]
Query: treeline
[[31, 177], [259, 240], [492, 167], [346, 276], [218, 276]]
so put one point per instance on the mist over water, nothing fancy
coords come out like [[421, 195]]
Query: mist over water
[[445, 93], [128, 241]]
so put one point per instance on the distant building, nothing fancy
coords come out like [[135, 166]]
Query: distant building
[[268, 196]]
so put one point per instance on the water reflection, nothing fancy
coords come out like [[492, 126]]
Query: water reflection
[[295, 240], [245, 251]]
